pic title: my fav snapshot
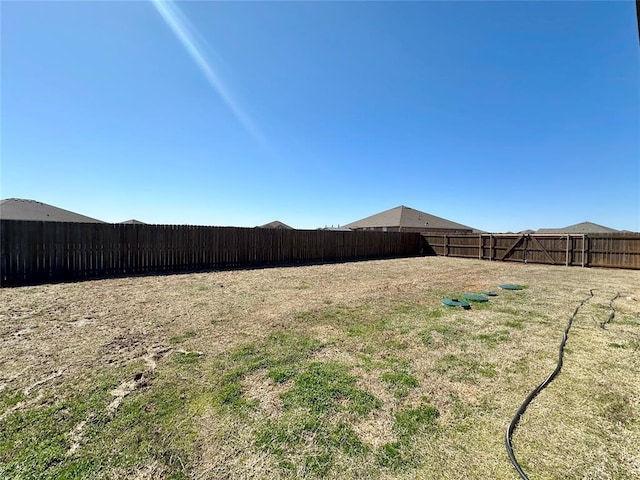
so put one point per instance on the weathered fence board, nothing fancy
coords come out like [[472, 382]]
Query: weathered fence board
[[40, 252], [613, 250]]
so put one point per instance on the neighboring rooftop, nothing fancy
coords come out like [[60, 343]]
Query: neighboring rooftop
[[407, 218], [335, 229], [21, 209], [276, 224], [133, 221], [584, 227]]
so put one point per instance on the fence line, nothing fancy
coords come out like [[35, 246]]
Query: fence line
[[613, 250], [40, 252]]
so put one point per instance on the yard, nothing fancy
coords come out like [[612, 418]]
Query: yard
[[350, 370]]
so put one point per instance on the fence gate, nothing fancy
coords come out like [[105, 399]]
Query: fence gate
[[613, 250], [561, 249]]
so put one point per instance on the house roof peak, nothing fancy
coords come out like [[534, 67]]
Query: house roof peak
[[25, 209], [583, 227], [407, 217]]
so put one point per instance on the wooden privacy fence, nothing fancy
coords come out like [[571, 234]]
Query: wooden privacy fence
[[40, 252], [614, 250]]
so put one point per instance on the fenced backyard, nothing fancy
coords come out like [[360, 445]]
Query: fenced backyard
[[349, 370], [40, 252], [617, 250]]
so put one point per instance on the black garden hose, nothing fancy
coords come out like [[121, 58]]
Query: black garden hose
[[536, 391], [613, 312]]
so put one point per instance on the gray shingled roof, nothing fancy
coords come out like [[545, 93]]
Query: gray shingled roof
[[21, 209], [133, 221], [407, 217], [584, 227], [276, 224]]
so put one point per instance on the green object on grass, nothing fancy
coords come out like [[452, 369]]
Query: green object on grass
[[489, 293], [454, 302], [509, 286]]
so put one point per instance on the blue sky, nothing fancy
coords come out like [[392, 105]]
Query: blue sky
[[498, 115]]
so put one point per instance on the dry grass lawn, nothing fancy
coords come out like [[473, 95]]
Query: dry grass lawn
[[349, 370]]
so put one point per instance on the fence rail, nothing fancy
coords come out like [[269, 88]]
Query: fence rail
[[613, 250], [40, 252]]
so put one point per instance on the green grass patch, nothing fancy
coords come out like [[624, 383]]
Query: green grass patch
[[629, 320], [325, 387], [152, 425], [519, 312], [282, 373], [464, 368], [368, 364], [279, 355], [426, 337], [442, 333], [396, 344], [336, 315], [34, 441], [9, 398], [492, 339], [391, 455], [321, 392], [367, 329], [414, 311], [322, 399], [343, 437], [514, 323], [435, 313], [366, 320], [409, 423], [230, 395], [400, 381], [318, 465], [182, 338], [186, 358]]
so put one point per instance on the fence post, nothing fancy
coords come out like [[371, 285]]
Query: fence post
[[566, 261], [587, 248], [490, 247]]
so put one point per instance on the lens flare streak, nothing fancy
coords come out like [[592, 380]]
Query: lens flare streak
[[187, 34]]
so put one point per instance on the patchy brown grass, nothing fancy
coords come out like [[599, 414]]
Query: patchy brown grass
[[208, 359]]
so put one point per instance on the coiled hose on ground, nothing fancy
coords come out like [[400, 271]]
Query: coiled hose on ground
[[536, 391]]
